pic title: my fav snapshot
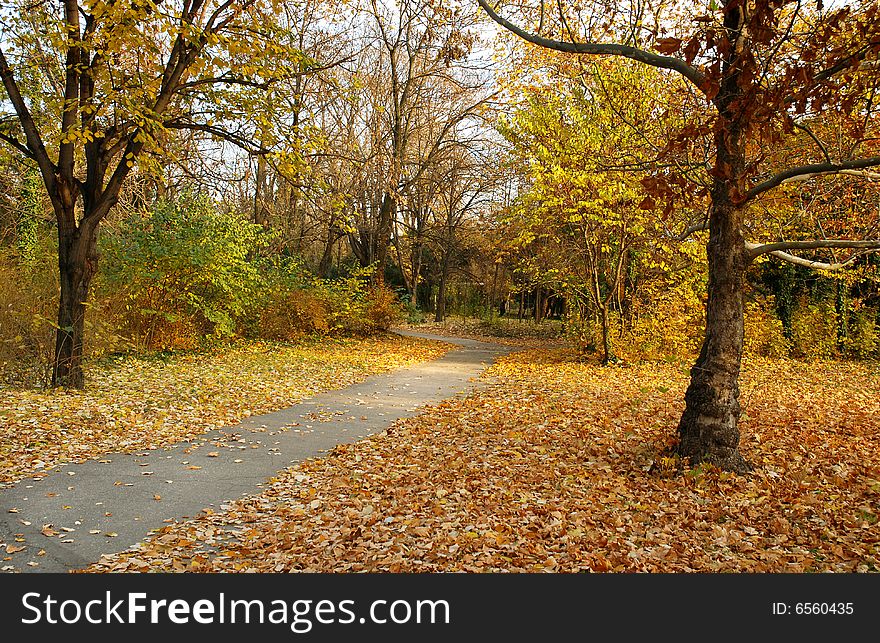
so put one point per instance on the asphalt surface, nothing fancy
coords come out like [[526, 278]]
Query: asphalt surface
[[108, 504]]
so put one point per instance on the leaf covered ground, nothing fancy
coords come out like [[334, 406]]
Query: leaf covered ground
[[138, 403], [555, 467]]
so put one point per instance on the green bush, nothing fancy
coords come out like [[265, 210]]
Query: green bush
[[183, 271]]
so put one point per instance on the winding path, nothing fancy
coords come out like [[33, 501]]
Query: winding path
[[107, 505]]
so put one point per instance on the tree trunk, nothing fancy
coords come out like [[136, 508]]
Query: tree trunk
[[841, 305], [261, 211], [326, 256], [383, 235], [416, 275], [441, 292], [77, 262], [539, 304], [708, 429], [608, 355]]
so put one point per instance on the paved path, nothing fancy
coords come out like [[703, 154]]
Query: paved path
[[107, 505]]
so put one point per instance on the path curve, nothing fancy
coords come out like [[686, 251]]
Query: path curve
[[108, 504]]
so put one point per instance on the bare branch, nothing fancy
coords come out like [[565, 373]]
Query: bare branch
[[809, 132], [778, 249], [756, 249], [694, 75], [224, 80], [808, 263], [14, 142], [810, 171], [849, 63], [248, 145], [697, 227]]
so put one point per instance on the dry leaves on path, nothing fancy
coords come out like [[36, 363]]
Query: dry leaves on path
[[547, 469], [143, 403]]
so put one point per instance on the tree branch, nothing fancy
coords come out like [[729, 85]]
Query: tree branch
[[810, 171], [31, 133], [807, 263], [71, 89], [694, 75], [224, 80], [756, 249], [698, 227], [250, 146], [809, 132], [14, 142]]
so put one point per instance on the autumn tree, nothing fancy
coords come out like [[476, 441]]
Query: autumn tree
[[97, 89], [760, 68], [417, 79], [580, 210]]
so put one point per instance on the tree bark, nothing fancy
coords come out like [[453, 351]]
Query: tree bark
[[440, 313], [608, 354], [383, 235], [77, 264], [708, 429]]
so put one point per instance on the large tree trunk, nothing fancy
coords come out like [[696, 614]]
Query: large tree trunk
[[708, 430], [77, 263]]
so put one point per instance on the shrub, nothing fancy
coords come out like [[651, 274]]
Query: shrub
[[28, 306], [764, 335], [357, 306], [182, 271], [814, 329], [291, 307], [863, 341], [414, 315], [671, 325], [382, 309], [296, 303]]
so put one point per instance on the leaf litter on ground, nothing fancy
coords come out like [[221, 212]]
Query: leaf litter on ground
[[557, 466], [137, 403]]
